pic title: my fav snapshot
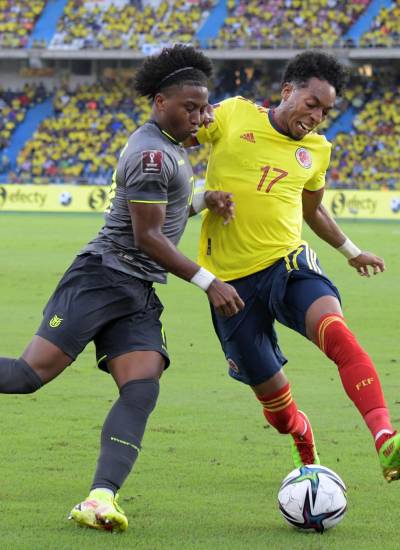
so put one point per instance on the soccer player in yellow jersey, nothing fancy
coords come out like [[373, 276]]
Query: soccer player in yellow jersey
[[274, 163]]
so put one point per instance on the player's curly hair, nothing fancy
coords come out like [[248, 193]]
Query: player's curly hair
[[316, 64], [179, 64]]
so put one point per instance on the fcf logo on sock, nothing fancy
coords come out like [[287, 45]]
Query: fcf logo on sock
[[364, 383]]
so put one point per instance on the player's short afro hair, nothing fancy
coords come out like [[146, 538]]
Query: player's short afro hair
[[179, 64], [310, 64]]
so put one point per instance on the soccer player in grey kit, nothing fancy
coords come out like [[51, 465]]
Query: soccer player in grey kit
[[106, 296]]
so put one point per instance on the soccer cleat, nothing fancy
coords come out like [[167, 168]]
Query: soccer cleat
[[100, 511], [303, 446], [389, 457]]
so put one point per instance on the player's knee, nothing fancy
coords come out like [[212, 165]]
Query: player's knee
[[141, 394], [17, 377], [338, 342]]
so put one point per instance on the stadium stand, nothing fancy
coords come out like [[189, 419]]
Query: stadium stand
[[115, 24], [92, 122], [82, 141], [13, 108], [142, 24], [95, 112], [46, 24], [17, 20], [287, 23], [385, 31], [367, 157]]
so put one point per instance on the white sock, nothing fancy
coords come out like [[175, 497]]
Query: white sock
[[106, 489]]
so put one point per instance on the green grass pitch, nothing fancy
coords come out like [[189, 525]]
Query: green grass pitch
[[210, 469]]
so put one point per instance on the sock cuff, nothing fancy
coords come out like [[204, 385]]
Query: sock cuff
[[385, 431], [278, 400], [32, 375], [131, 383], [324, 322]]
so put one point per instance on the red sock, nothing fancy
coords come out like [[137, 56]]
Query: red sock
[[357, 372], [378, 422], [281, 412]]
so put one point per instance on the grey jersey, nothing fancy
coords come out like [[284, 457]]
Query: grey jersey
[[151, 169]]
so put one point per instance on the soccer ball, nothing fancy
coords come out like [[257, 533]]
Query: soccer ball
[[312, 497], [395, 205], [65, 198]]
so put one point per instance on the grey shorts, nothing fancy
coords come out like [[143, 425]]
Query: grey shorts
[[118, 312]]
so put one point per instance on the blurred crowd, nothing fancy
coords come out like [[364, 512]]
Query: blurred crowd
[[385, 30], [17, 19], [142, 24], [82, 140], [287, 23], [13, 108], [367, 157], [114, 24], [90, 125]]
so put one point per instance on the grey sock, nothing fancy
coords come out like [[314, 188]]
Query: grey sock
[[122, 432], [16, 376]]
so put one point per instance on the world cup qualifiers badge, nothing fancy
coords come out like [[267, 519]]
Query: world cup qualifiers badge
[[303, 157], [152, 162]]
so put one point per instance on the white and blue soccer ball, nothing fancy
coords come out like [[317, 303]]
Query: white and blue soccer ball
[[313, 498], [65, 198], [395, 205]]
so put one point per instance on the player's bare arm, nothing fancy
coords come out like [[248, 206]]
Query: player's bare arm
[[147, 221], [323, 225]]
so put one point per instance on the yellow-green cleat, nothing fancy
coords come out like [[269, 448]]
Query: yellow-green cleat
[[303, 446], [100, 511], [389, 457]]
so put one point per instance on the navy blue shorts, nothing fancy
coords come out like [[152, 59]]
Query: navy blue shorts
[[118, 312], [283, 291]]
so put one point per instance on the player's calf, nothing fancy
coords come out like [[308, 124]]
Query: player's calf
[[123, 431], [360, 381], [280, 410]]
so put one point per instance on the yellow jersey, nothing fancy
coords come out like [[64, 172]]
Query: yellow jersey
[[266, 171]]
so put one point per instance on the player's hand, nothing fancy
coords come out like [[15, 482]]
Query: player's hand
[[224, 298], [220, 203], [208, 115], [367, 263]]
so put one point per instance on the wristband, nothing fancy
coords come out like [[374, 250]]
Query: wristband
[[202, 278], [198, 201], [349, 249]]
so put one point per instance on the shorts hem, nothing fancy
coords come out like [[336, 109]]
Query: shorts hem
[[258, 381], [61, 345], [102, 362]]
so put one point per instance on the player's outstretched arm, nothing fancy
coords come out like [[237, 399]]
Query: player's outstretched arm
[[323, 225], [219, 202], [147, 222]]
